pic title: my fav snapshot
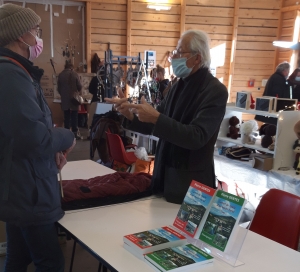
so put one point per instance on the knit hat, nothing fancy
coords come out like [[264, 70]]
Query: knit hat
[[15, 21]]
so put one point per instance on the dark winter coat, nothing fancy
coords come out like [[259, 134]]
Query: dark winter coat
[[277, 85], [187, 129], [296, 89], [29, 189], [68, 83], [96, 89]]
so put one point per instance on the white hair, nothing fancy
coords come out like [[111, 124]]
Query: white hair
[[283, 66], [199, 43]]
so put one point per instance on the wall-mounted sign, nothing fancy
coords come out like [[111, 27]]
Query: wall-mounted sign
[[150, 58]]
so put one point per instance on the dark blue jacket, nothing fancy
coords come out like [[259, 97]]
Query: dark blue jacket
[[29, 188]]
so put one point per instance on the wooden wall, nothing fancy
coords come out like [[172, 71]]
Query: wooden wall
[[216, 19], [108, 25], [242, 29], [287, 31], [254, 57]]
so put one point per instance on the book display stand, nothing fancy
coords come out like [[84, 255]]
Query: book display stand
[[210, 220], [230, 255]]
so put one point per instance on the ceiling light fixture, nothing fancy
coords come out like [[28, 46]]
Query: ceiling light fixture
[[285, 44], [159, 7]]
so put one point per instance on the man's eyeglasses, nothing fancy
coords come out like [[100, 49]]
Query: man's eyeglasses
[[176, 53]]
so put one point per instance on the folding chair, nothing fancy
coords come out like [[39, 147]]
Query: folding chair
[[117, 150], [277, 217]]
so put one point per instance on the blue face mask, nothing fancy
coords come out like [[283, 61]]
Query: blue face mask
[[297, 78], [179, 67]]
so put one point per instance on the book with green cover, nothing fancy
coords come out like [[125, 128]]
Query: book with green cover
[[193, 209], [178, 258], [223, 217]]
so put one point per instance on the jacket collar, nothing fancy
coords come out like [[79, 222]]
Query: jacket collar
[[34, 71]]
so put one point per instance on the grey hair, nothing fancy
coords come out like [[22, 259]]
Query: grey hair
[[282, 66], [199, 43]]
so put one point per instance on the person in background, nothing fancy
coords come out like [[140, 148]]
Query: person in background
[[30, 147], [159, 75], [277, 84], [68, 83], [294, 81], [187, 121], [95, 88], [173, 80]]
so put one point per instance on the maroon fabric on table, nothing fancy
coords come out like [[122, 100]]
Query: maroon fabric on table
[[116, 184]]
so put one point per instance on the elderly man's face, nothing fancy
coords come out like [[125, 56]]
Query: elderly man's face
[[183, 51], [286, 72]]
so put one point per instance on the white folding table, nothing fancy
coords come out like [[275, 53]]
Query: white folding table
[[100, 230]]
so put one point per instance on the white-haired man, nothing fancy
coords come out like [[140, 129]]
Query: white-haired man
[[277, 84], [187, 121]]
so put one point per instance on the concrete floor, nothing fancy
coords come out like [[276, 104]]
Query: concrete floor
[[84, 262]]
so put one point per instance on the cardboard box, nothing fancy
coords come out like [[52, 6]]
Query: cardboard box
[[262, 161], [2, 239]]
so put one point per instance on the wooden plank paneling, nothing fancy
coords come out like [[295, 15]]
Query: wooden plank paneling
[[253, 54], [256, 38], [154, 41], [110, 15], [258, 31], [160, 31], [152, 33], [248, 66], [289, 31], [104, 47], [259, 4], [182, 16], [255, 72], [158, 48], [258, 22], [289, 15], [211, 28], [252, 60], [109, 7], [209, 11], [118, 2], [255, 46], [153, 17], [233, 44], [259, 14], [215, 3], [108, 31], [208, 20], [245, 78], [288, 3], [142, 8], [99, 38], [288, 23], [156, 26], [113, 24]]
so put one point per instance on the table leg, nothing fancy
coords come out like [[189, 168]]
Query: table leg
[[73, 255], [99, 267]]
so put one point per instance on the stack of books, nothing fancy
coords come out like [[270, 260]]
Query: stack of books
[[206, 214]]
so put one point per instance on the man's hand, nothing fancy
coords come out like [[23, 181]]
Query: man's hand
[[119, 104], [146, 113], [60, 160]]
